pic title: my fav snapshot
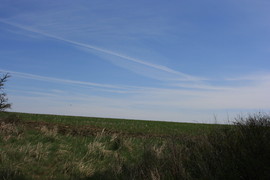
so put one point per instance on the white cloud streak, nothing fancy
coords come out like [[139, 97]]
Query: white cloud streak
[[182, 76], [251, 77], [211, 98], [65, 81]]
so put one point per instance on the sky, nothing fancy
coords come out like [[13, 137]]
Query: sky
[[186, 61]]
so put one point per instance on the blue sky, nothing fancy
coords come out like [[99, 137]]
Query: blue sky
[[186, 61]]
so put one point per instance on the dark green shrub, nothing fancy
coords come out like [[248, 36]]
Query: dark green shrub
[[238, 152]]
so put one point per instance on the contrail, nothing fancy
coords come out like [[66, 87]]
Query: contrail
[[155, 66], [52, 79]]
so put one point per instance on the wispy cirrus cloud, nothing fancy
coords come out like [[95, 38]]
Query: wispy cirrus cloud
[[197, 97], [180, 76], [251, 77], [105, 87]]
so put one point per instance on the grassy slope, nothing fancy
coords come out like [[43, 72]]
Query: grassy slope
[[123, 125], [63, 147], [39, 150]]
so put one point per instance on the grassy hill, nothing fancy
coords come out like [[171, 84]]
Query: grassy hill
[[35, 146]]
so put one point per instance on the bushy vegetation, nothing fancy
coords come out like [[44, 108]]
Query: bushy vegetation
[[39, 149]]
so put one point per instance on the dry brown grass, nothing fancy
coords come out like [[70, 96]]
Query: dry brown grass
[[49, 132]]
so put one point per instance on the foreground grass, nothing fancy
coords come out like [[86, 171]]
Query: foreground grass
[[61, 147]]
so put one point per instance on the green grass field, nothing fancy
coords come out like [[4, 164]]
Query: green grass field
[[34, 146], [123, 125]]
